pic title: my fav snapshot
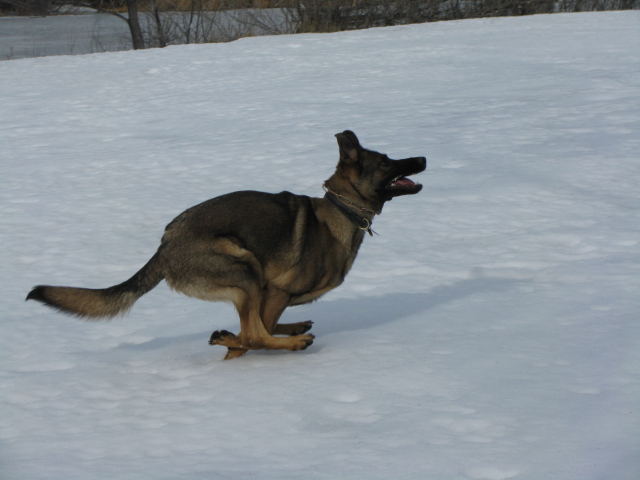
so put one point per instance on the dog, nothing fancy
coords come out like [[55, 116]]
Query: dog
[[263, 252]]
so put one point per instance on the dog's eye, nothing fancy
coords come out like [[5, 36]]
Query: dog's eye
[[384, 162]]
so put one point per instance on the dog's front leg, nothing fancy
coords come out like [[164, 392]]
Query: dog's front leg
[[258, 324], [253, 331], [291, 329], [274, 303]]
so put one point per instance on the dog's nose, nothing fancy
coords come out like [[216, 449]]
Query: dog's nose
[[422, 161]]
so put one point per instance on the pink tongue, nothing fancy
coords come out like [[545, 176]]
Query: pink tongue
[[403, 182]]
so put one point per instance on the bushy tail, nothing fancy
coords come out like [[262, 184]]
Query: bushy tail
[[104, 302]]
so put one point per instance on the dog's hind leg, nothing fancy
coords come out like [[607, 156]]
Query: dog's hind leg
[[235, 353], [225, 338]]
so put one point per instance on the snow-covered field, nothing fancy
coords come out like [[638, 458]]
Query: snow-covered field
[[490, 332]]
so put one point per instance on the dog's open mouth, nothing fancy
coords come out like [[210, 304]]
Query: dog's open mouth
[[401, 183]]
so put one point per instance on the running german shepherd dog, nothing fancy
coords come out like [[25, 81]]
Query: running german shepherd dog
[[263, 252]]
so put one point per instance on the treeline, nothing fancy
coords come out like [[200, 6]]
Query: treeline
[[156, 23], [336, 15], [47, 7]]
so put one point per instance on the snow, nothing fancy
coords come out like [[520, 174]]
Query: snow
[[489, 332]]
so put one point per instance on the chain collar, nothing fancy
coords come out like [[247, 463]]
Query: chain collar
[[344, 206]]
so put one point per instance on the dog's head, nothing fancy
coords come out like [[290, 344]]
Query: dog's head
[[373, 176]]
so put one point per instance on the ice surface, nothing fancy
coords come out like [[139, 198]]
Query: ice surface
[[490, 332]]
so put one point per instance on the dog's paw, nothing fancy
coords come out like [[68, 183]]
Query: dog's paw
[[293, 329], [221, 337], [301, 342], [302, 327]]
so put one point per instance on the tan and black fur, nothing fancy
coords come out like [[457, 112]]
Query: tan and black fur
[[263, 252]]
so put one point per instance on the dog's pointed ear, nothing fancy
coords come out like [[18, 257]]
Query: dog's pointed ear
[[349, 146]]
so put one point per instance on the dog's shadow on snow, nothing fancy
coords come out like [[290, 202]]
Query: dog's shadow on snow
[[366, 312]]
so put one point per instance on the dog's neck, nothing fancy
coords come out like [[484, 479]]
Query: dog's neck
[[361, 217]]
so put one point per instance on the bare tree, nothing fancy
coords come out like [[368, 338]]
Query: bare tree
[[133, 20], [161, 39], [47, 7]]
